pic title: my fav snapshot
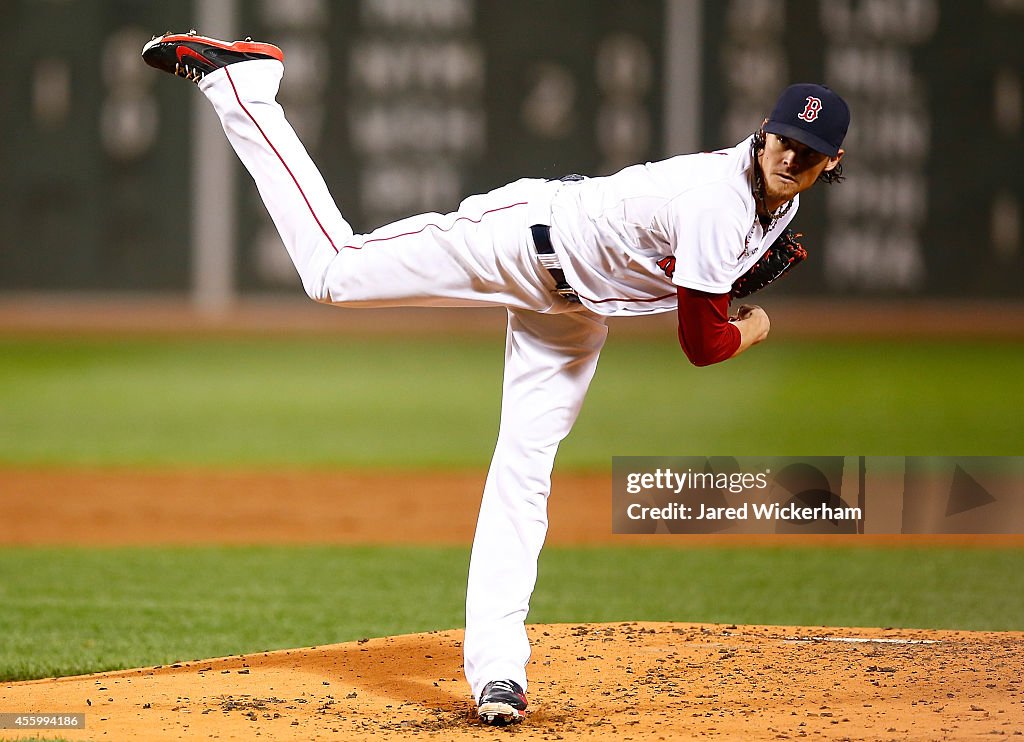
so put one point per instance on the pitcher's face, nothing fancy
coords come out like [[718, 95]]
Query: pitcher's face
[[790, 167]]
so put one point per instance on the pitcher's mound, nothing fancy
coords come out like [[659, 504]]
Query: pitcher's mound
[[597, 681]]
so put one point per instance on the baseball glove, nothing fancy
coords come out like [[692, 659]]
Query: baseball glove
[[783, 254]]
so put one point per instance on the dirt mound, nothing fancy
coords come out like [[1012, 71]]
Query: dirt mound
[[598, 681]]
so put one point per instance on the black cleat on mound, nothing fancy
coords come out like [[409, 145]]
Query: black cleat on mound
[[192, 56], [502, 702]]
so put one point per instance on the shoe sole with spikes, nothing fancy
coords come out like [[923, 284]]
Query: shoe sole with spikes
[[497, 714], [502, 702], [192, 56]]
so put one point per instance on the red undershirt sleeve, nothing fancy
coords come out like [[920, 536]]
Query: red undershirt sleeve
[[705, 333]]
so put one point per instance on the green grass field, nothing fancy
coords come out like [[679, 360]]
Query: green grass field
[[392, 403], [344, 403], [70, 611]]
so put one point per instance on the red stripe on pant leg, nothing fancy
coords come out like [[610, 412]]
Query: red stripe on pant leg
[[285, 164], [425, 227]]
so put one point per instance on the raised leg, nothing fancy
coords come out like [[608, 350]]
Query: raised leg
[[292, 188], [481, 254]]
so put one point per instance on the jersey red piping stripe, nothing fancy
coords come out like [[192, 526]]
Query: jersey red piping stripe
[[285, 164], [425, 227]]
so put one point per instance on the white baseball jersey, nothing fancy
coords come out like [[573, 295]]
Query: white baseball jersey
[[611, 233]]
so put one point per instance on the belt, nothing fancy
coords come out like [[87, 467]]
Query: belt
[[548, 258]]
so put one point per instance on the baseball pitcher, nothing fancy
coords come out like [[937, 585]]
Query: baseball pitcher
[[684, 235]]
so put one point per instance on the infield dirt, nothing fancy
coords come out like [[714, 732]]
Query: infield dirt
[[631, 681]]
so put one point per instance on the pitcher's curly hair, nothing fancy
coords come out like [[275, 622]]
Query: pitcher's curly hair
[[835, 175]]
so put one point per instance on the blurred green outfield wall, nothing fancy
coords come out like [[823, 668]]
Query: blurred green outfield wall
[[409, 105]]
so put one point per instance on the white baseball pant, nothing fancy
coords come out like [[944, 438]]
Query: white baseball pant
[[482, 254]]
